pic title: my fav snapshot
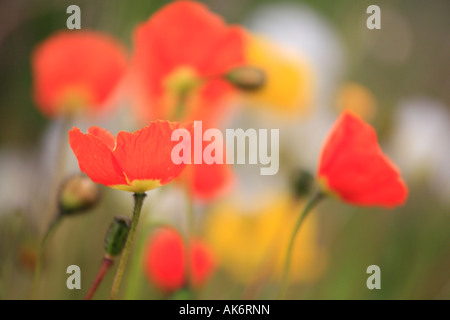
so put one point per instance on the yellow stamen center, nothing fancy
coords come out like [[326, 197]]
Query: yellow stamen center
[[182, 80]]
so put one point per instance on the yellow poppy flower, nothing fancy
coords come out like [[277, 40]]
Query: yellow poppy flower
[[251, 246], [289, 86]]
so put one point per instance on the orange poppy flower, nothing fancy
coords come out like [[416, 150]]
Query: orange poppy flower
[[135, 162], [207, 182], [75, 70], [165, 261], [353, 166], [184, 49]]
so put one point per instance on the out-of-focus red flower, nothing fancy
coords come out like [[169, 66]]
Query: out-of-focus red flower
[[207, 182], [75, 70], [135, 162], [353, 166], [184, 49], [165, 260]]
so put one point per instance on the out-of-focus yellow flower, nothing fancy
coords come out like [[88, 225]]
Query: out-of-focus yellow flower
[[357, 98], [289, 86], [251, 246]]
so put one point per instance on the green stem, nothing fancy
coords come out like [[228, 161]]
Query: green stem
[[48, 202], [190, 234], [38, 270], [138, 200], [134, 280], [180, 107], [287, 263]]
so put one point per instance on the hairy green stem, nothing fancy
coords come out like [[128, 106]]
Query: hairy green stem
[[38, 270], [190, 235], [47, 204], [313, 201], [138, 201]]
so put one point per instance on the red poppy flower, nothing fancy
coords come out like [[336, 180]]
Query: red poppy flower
[[135, 162], [75, 70], [353, 166], [165, 260], [208, 181], [184, 48]]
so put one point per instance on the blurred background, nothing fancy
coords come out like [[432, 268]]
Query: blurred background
[[397, 77]]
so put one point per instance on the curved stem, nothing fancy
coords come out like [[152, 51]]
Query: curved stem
[[138, 200], [134, 280], [48, 201], [107, 262], [59, 168], [287, 263], [190, 234], [38, 270]]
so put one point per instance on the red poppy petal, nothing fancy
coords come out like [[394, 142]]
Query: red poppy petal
[[354, 166], [182, 24], [208, 46], [212, 101], [208, 182], [76, 67], [164, 261], [146, 153], [228, 52], [188, 25], [104, 135], [96, 159], [202, 263]]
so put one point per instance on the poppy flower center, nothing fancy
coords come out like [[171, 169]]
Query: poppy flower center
[[74, 99], [138, 185], [182, 80]]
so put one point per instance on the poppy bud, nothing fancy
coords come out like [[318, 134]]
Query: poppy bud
[[117, 235], [301, 183], [78, 193], [246, 78]]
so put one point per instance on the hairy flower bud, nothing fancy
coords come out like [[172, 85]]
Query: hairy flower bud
[[78, 193], [117, 235], [301, 183], [246, 78]]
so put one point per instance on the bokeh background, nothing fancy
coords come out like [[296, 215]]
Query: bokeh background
[[399, 76]]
